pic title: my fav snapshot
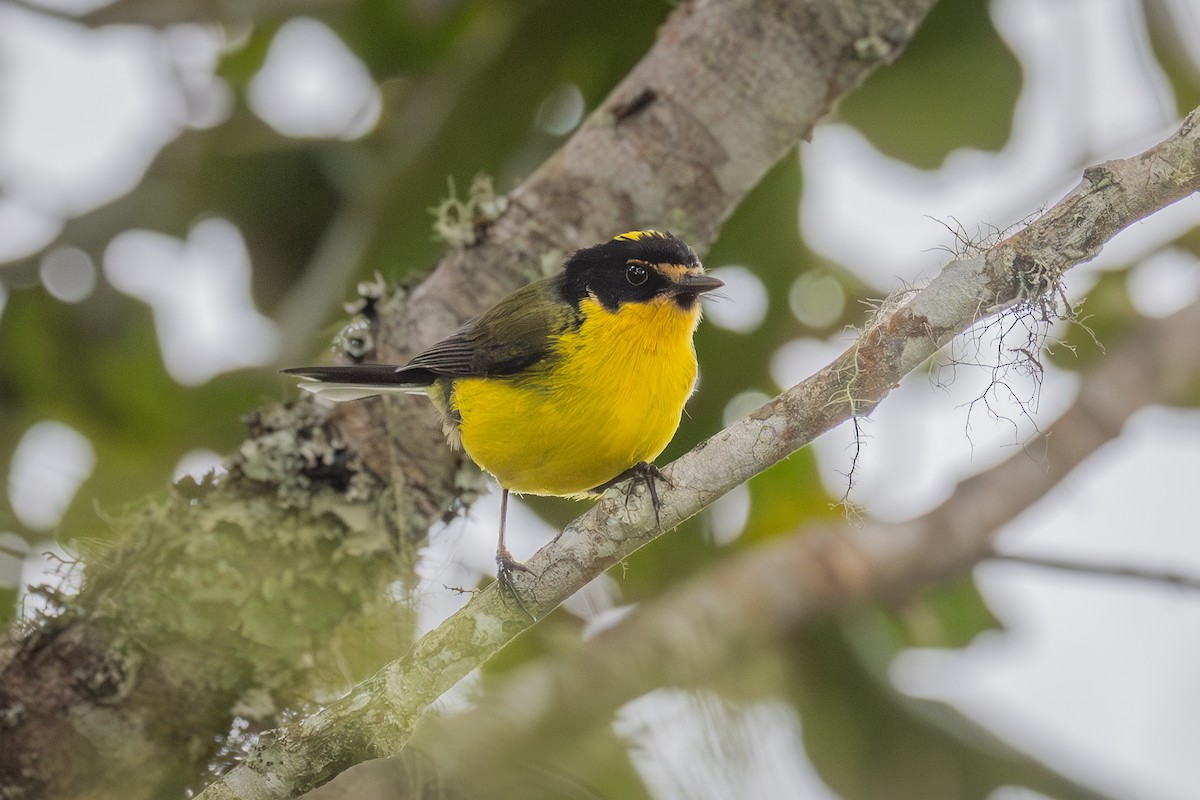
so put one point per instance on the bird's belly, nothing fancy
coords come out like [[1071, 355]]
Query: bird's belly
[[578, 431]]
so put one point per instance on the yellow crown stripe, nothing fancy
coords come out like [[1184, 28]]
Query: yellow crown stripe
[[633, 236]]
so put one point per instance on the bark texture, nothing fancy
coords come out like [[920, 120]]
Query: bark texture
[[678, 144]]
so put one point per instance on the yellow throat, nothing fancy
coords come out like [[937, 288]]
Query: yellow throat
[[611, 398]]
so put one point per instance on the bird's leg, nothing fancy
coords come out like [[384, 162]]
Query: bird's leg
[[649, 474], [505, 563]]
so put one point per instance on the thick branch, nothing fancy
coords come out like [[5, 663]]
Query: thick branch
[[377, 716]]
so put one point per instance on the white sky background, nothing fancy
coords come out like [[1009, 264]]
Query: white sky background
[[1096, 675]]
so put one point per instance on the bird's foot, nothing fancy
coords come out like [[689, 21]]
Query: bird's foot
[[506, 565], [648, 474]]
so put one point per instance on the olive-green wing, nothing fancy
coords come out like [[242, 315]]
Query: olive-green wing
[[508, 339]]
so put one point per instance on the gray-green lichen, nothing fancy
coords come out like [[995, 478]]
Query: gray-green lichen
[[292, 450], [459, 223], [268, 581]]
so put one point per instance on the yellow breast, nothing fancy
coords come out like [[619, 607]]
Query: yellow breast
[[611, 397]]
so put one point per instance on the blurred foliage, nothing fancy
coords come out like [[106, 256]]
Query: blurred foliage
[[461, 84], [919, 110], [871, 742], [1102, 322], [949, 615], [1180, 65], [282, 603], [474, 74], [96, 367]]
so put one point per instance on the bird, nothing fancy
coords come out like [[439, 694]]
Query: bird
[[567, 386]]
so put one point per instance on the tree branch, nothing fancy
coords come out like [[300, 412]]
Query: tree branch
[[1164, 577], [766, 594], [377, 717], [183, 619]]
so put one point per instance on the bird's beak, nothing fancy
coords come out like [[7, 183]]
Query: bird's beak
[[696, 284]]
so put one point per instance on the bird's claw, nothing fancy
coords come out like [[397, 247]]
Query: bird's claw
[[506, 565], [649, 473]]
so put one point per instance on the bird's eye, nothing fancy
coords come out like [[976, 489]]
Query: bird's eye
[[636, 274]]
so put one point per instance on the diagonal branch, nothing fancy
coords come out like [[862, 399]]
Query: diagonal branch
[[377, 717], [765, 594]]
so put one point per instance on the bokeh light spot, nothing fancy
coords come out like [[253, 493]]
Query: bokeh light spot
[[1165, 282], [68, 274], [51, 462], [561, 110], [798, 359], [742, 404], [729, 514], [199, 290], [13, 550], [817, 299], [24, 229], [85, 112], [198, 463], [312, 85], [742, 303]]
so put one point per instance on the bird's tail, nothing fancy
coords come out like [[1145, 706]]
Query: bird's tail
[[356, 381]]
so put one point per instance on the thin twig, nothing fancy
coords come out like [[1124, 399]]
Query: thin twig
[[1093, 569]]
